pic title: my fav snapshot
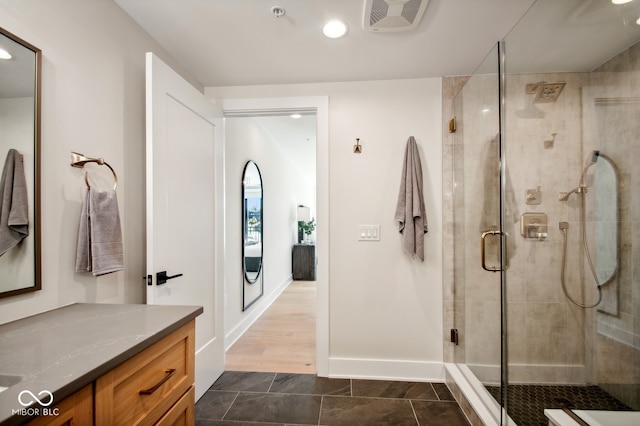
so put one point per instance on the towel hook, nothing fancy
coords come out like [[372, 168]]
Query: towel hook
[[79, 160], [357, 148]]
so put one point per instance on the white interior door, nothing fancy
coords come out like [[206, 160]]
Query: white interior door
[[185, 222]]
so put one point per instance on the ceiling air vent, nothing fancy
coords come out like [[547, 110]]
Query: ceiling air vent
[[393, 15]]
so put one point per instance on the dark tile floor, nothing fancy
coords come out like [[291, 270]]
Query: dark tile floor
[[527, 402], [260, 399]]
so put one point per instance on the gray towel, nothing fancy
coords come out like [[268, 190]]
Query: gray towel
[[83, 251], [14, 207], [490, 188], [410, 211], [100, 248]]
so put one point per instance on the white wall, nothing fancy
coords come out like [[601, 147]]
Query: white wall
[[385, 308], [92, 102], [285, 186]]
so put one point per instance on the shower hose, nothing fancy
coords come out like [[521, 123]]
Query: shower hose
[[587, 254]]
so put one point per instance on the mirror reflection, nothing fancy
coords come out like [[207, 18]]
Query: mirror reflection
[[19, 155], [252, 222]]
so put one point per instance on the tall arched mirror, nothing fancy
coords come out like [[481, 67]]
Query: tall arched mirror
[[20, 66], [252, 252]]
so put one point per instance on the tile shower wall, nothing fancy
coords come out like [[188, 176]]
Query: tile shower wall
[[543, 149]]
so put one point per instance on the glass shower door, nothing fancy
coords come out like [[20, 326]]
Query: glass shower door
[[480, 244]]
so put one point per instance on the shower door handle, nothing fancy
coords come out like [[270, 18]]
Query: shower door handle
[[482, 249]]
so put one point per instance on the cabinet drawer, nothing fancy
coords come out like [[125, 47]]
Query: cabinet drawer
[[183, 413], [141, 390]]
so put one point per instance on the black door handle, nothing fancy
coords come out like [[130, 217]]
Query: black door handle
[[162, 277]]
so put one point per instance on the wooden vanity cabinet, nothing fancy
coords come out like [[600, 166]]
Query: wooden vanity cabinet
[[76, 409], [154, 387]]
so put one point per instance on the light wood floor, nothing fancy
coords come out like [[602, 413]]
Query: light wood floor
[[283, 339]]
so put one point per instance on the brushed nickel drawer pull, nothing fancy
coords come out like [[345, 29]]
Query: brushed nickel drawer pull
[[168, 373]]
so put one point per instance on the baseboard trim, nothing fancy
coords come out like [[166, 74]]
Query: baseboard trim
[[386, 369]]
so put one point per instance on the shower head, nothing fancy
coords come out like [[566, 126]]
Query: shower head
[[545, 92]]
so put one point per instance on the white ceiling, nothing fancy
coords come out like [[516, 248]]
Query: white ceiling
[[294, 136], [240, 42]]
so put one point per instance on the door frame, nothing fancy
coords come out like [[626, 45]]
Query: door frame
[[319, 105]]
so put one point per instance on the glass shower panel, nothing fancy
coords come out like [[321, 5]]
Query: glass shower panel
[[477, 207], [571, 145]]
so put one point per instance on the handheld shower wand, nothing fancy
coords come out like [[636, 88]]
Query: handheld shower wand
[[582, 185]]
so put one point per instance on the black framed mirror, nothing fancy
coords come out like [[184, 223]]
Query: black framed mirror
[[252, 247], [20, 79]]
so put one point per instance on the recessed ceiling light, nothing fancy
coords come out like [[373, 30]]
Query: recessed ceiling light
[[334, 29], [620, 1], [296, 115], [4, 54]]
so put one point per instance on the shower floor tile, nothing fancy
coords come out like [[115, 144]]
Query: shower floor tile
[[526, 403]]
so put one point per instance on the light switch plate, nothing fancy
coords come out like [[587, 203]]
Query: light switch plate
[[369, 233]]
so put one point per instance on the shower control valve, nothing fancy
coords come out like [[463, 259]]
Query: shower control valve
[[534, 226]]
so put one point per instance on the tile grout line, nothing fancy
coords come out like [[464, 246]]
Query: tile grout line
[[271, 384], [413, 409], [435, 391], [320, 411], [230, 405]]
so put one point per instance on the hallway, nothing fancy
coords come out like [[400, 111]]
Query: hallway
[[283, 339]]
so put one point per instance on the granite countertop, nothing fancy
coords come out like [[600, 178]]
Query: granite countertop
[[65, 349]]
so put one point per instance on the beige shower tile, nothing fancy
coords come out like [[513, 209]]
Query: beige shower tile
[[615, 361], [517, 333], [576, 346], [482, 333], [546, 332]]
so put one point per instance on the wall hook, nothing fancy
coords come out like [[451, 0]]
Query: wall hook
[[357, 148]]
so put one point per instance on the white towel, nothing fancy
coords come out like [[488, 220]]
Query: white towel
[[14, 204], [100, 248], [410, 211]]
